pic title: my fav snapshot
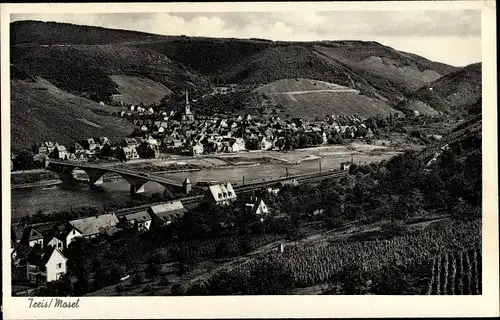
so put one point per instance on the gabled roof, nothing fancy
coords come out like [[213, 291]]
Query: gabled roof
[[222, 192], [168, 211], [40, 258], [30, 234], [165, 207], [140, 216], [94, 225]]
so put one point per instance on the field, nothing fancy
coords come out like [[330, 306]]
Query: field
[[310, 99], [337, 262], [134, 90]]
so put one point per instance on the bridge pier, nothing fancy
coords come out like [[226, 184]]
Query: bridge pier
[[95, 176], [136, 184]]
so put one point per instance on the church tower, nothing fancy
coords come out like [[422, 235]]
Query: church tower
[[187, 115]]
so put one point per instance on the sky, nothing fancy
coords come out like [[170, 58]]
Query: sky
[[451, 36]]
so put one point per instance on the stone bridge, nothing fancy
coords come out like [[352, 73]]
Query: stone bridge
[[136, 179]]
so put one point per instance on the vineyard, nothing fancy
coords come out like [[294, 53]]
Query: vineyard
[[456, 273], [141, 251], [316, 264]]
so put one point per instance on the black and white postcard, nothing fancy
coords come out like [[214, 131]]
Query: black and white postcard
[[209, 160]]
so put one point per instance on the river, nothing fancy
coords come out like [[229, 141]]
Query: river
[[66, 197]]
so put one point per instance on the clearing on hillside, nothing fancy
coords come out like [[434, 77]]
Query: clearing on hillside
[[309, 99], [134, 90]]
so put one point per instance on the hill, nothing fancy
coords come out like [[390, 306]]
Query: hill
[[458, 92], [376, 70], [48, 33], [86, 69], [312, 99], [41, 111]]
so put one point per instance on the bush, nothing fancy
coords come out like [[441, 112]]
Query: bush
[[151, 270], [147, 288], [165, 281], [136, 279], [120, 288]]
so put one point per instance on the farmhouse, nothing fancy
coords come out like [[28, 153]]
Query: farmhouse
[[45, 265]]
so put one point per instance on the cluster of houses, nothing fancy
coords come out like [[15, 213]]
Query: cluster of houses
[[38, 257], [182, 131]]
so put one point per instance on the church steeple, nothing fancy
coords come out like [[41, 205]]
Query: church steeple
[[187, 98]]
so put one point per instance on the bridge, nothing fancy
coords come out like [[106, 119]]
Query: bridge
[[136, 179]]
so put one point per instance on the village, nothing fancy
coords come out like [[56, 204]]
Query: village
[[159, 134]]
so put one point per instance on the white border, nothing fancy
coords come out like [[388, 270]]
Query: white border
[[275, 306]]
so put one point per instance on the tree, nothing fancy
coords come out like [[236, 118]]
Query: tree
[[106, 151], [114, 276], [151, 270], [81, 286], [23, 160]]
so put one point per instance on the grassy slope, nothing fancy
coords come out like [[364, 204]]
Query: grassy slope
[[40, 111], [135, 90], [455, 92], [312, 104]]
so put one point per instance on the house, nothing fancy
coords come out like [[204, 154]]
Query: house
[[345, 165], [265, 144], [129, 142], [103, 140], [62, 237], [220, 194], [289, 183], [196, 149], [55, 241], [31, 237], [238, 145], [77, 149], [127, 153], [165, 213], [60, 152], [140, 221], [40, 148], [257, 206], [45, 266], [91, 227], [50, 146], [89, 144]]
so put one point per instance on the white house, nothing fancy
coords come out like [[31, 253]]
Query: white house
[[238, 145], [266, 144], [197, 149], [257, 207], [220, 194], [45, 266]]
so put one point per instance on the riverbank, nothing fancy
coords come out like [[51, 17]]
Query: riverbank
[[38, 184]]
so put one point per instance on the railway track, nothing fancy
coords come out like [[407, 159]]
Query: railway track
[[193, 201]]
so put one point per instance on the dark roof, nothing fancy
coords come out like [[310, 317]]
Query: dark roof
[[41, 257], [30, 234]]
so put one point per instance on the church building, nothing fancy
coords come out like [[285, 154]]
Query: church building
[[187, 115]]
